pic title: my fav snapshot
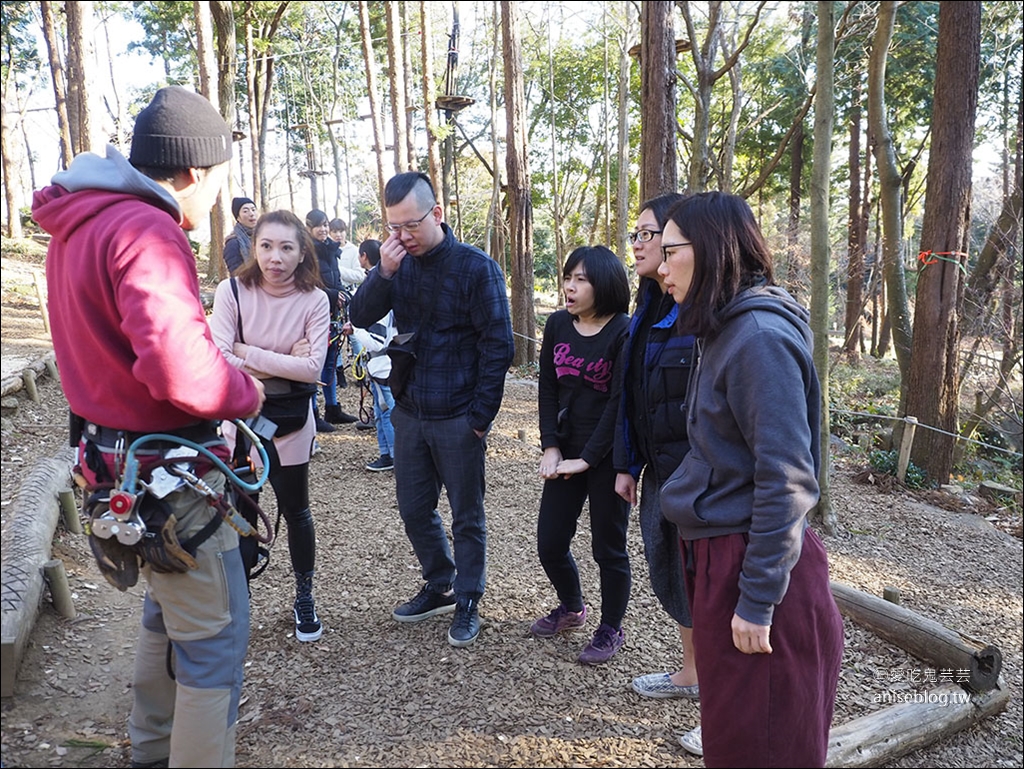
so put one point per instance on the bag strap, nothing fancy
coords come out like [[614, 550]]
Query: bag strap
[[238, 309]]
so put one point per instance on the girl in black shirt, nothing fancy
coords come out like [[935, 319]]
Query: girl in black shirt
[[578, 398]]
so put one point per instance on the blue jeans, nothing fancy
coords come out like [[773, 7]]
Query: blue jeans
[[383, 404], [329, 376], [429, 454]]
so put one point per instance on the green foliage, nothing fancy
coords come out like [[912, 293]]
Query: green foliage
[[868, 386], [887, 462], [18, 39]]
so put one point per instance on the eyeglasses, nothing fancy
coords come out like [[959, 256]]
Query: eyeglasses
[[408, 226], [668, 247], [642, 235]]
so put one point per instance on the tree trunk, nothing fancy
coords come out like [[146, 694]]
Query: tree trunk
[[250, 90], [853, 331], [80, 74], [890, 191], [658, 173], [395, 44], [704, 55], [11, 183], [934, 381], [520, 209], [556, 193], [60, 93], [824, 111], [374, 95], [622, 100], [407, 82], [209, 86], [430, 98], [796, 173], [227, 78], [985, 277], [496, 218]]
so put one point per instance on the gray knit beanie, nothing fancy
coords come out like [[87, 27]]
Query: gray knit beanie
[[180, 129]]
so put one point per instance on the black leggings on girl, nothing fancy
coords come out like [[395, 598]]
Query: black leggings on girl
[[291, 487], [560, 508]]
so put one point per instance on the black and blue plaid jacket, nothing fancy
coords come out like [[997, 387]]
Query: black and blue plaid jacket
[[464, 355]]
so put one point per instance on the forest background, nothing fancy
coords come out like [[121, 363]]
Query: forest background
[[878, 143]]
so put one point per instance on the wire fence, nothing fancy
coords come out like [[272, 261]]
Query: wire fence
[[907, 420]]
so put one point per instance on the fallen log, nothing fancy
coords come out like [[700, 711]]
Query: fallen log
[[15, 383], [917, 721], [977, 665]]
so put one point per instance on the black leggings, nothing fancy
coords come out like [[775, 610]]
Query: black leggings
[[291, 487], [560, 508]]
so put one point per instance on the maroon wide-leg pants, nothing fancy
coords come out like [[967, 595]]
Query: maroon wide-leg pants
[[764, 709]]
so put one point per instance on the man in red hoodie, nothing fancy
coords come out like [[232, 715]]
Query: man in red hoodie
[[136, 356]]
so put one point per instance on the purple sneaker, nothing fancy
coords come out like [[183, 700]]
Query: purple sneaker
[[559, 620], [607, 640]]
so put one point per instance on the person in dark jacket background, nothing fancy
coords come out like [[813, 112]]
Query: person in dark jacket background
[[766, 629], [442, 417], [327, 252], [238, 246]]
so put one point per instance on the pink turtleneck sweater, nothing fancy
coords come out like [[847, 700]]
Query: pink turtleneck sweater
[[274, 319]]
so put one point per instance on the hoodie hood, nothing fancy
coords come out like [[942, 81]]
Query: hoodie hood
[[774, 299], [59, 210]]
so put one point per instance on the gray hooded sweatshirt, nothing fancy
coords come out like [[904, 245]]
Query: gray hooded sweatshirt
[[754, 411]]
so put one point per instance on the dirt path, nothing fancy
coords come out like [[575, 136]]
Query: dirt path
[[376, 693]]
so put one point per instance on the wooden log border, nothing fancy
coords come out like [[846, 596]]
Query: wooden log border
[[13, 384], [922, 718]]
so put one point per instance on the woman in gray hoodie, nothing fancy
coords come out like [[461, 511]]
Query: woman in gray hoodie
[[767, 634]]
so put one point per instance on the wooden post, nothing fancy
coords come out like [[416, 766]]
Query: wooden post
[[28, 378], [69, 508], [905, 446], [976, 665], [51, 368], [892, 595], [40, 281], [60, 592]]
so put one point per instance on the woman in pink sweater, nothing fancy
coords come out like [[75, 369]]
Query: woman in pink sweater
[[272, 321]]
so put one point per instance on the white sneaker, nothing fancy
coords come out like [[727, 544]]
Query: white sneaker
[[692, 742]]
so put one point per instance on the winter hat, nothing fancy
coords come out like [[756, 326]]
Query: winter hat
[[237, 203], [180, 129]]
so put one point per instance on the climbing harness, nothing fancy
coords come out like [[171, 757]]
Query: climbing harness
[[131, 520]]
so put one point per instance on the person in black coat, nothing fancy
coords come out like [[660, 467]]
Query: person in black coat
[[327, 252]]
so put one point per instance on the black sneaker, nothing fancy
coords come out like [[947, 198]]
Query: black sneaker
[[307, 624], [426, 604], [323, 426], [365, 426], [384, 462], [466, 622]]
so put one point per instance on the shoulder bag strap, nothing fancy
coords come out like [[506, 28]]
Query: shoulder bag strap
[[238, 309]]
